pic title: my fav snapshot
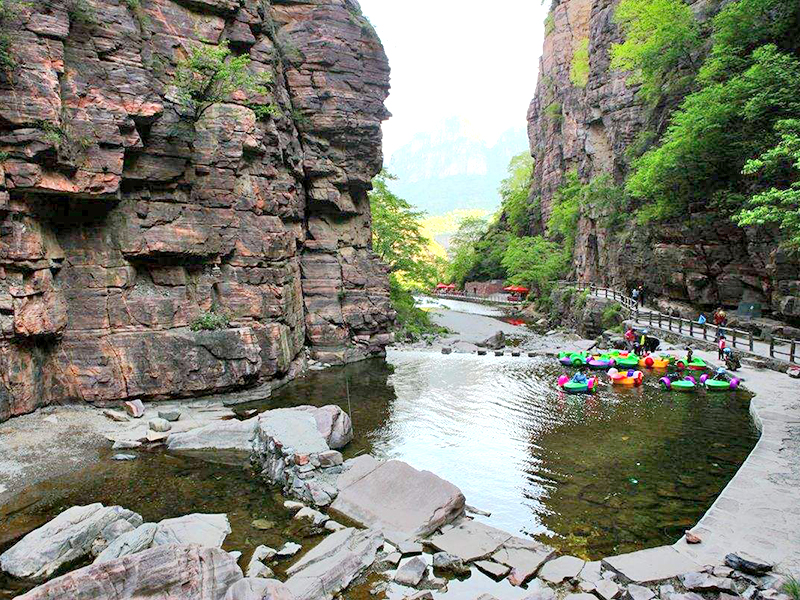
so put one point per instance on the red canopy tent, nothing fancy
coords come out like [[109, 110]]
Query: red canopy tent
[[516, 289]]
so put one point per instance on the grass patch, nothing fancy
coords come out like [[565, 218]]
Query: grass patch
[[212, 320], [612, 316], [792, 587], [579, 70], [553, 112]]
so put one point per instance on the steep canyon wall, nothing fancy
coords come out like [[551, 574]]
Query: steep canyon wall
[[701, 260], [117, 233]]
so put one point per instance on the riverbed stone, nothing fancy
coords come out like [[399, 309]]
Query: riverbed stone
[[540, 592], [67, 538], [652, 564], [333, 423], [607, 589], [331, 565], [160, 425], [162, 573], [209, 530], [469, 540], [399, 500], [409, 547], [639, 592], [448, 562], [217, 435], [288, 549], [411, 572], [561, 568], [134, 408], [591, 571], [580, 596], [309, 514], [493, 569], [332, 525], [293, 506], [170, 415], [704, 582], [524, 557], [251, 588], [132, 542]]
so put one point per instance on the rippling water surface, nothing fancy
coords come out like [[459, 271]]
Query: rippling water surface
[[593, 475]]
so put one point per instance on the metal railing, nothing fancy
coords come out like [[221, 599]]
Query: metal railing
[[496, 298], [680, 325], [791, 353]]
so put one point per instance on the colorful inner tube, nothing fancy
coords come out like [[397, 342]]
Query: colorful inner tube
[[629, 378], [601, 363], [572, 387], [679, 385], [719, 385], [575, 359], [697, 364], [654, 362], [627, 361]]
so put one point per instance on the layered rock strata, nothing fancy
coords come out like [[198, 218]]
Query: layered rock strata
[[118, 230], [701, 259]]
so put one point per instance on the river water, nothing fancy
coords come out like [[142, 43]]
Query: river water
[[597, 475]]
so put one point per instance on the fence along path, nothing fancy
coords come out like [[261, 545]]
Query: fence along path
[[777, 348]]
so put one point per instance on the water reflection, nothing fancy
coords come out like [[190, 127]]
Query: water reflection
[[614, 472]]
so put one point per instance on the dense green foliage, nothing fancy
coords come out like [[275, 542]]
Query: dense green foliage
[[778, 205], [535, 262], [579, 69], [211, 321], [747, 88], [209, 74], [661, 37], [514, 191], [398, 239]]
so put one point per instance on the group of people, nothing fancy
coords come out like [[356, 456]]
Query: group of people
[[719, 318], [637, 293], [638, 343]]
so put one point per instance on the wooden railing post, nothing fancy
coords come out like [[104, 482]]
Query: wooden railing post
[[691, 328], [734, 338], [772, 348], [751, 341], [791, 351], [705, 331], [680, 325]]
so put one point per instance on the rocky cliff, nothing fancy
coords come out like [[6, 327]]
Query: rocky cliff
[[702, 260], [117, 233]]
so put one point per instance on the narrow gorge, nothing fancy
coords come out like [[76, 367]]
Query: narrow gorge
[[118, 231]]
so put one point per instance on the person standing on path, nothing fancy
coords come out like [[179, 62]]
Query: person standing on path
[[641, 295], [721, 348], [635, 296]]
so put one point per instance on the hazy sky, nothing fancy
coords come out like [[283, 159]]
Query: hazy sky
[[464, 58]]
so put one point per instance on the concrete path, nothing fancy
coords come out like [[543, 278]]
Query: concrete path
[[758, 513]]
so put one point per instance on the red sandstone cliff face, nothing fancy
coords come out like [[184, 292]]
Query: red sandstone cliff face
[[116, 234], [702, 260]]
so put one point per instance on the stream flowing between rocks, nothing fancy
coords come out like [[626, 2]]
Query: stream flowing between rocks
[[592, 476]]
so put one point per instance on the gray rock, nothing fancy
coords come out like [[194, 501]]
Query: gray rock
[[164, 572], [330, 566], [448, 562], [563, 567], [293, 506], [542, 593], [331, 458], [159, 425], [334, 526], [217, 435], [495, 342], [390, 561], [420, 503], [412, 572], [653, 564], [288, 549], [209, 530], [493, 569], [257, 567], [665, 591], [409, 547], [638, 592], [309, 514], [67, 538], [169, 415], [525, 557], [332, 423], [592, 571], [258, 589], [116, 416], [132, 542], [469, 540], [734, 561], [581, 596], [126, 445], [703, 582], [123, 457], [586, 586], [424, 595], [607, 589]]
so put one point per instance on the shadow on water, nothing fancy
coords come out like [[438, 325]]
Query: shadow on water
[[619, 471]]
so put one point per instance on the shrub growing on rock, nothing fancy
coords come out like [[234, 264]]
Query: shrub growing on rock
[[211, 321]]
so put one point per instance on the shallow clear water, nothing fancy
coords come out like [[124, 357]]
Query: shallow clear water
[[621, 470]]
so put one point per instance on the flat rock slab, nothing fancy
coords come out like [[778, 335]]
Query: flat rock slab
[[162, 573], [397, 499], [469, 540], [68, 537], [639, 592], [330, 566], [201, 529], [493, 569], [251, 588], [524, 557], [653, 564], [563, 567], [607, 589], [582, 596], [296, 429], [412, 572], [217, 435]]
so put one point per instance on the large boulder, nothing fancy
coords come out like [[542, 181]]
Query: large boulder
[[330, 567], [333, 424], [71, 536], [201, 529], [396, 498], [218, 435], [161, 573]]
